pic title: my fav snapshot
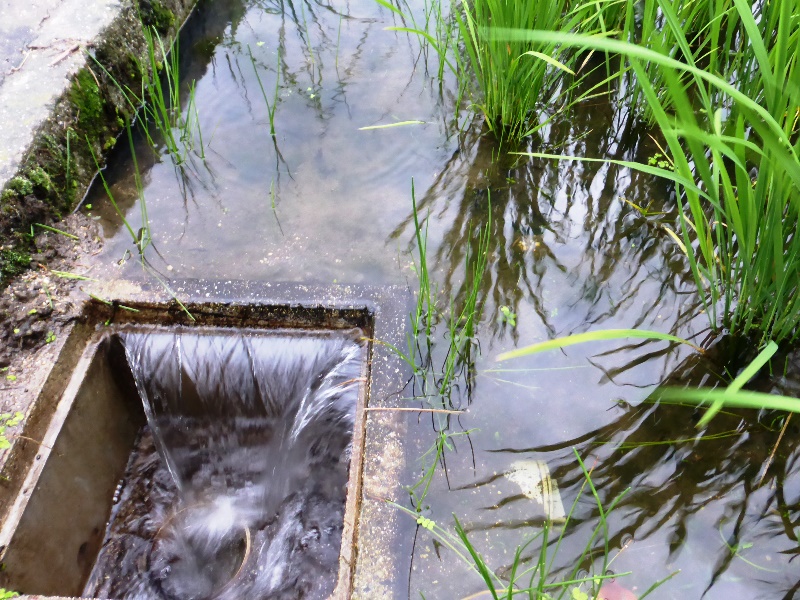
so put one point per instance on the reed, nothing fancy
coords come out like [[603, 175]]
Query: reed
[[734, 150]]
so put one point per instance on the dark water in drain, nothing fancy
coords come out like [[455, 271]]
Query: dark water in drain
[[237, 485], [567, 255]]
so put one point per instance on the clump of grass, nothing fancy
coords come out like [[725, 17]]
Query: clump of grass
[[734, 150], [158, 100], [514, 80], [515, 86]]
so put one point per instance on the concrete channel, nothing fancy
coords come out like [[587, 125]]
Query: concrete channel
[[59, 488], [57, 479]]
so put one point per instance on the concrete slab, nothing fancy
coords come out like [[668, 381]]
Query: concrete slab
[[42, 43]]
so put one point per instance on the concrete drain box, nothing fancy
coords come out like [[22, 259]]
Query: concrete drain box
[[215, 460]]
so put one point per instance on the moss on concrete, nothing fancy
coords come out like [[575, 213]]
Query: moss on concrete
[[58, 167], [88, 103], [155, 14]]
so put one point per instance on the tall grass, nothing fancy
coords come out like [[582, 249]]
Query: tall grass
[[735, 152], [513, 78], [515, 86]]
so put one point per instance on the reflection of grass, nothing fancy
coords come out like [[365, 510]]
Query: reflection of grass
[[535, 575]]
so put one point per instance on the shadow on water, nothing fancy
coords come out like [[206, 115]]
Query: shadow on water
[[560, 224], [720, 506]]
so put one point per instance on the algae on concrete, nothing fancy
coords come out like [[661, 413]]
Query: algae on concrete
[[62, 95]]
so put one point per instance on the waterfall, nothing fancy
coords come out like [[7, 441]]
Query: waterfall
[[246, 500]]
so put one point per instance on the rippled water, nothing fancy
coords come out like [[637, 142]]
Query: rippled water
[[236, 488], [567, 255]]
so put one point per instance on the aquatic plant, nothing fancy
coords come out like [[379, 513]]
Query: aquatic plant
[[735, 166], [541, 579], [513, 85], [158, 102], [271, 106]]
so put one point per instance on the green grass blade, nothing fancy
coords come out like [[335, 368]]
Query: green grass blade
[[594, 336]]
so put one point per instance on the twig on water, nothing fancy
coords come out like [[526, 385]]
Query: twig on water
[[430, 410]]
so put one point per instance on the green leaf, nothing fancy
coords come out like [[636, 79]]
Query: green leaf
[[594, 336], [579, 594], [550, 60], [387, 126]]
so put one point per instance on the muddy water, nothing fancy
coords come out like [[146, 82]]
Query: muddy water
[[324, 201]]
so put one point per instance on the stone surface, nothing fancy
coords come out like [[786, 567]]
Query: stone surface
[[42, 43]]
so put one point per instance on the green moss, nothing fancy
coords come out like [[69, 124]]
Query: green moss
[[12, 263], [40, 180], [85, 95], [20, 186], [155, 14]]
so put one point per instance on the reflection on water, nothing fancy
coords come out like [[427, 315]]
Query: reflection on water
[[325, 202]]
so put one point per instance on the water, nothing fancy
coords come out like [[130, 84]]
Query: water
[[567, 255], [237, 485]]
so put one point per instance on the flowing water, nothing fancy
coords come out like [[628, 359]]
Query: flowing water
[[236, 488], [325, 201]]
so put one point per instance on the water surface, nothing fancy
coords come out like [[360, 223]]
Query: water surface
[[324, 202]]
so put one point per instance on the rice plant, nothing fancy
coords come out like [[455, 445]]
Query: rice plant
[[158, 100], [735, 154], [515, 86], [513, 78], [271, 106]]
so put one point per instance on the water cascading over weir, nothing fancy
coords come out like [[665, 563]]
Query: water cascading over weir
[[245, 451], [236, 486]]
